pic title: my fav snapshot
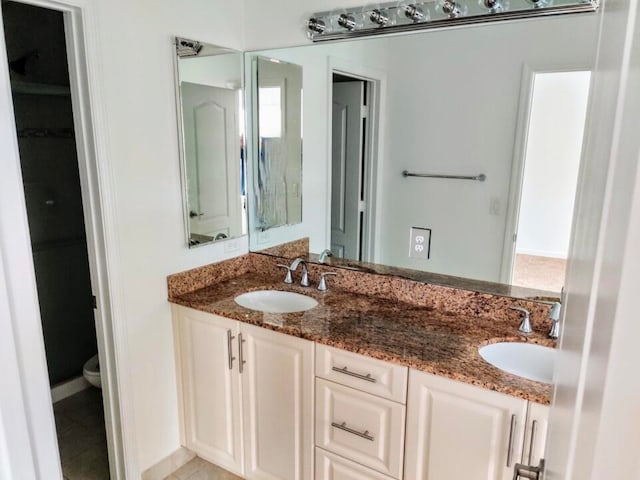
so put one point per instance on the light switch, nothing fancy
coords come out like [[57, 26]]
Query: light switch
[[420, 243], [495, 206]]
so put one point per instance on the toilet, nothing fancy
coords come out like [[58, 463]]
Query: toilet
[[91, 371]]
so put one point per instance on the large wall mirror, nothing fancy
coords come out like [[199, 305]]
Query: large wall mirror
[[454, 152], [211, 128], [277, 172]]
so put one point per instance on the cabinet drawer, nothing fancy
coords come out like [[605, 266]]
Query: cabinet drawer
[[367, 374], [361, 427], [334, 467]]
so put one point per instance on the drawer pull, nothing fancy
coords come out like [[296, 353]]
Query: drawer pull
[[344, 370], [534, 429], [343, 426], [511, 439], [230, 338]]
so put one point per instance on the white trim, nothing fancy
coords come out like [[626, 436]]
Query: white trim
[[69, 388], [377, 79], [519, 153], [168, 465], [97, 192]]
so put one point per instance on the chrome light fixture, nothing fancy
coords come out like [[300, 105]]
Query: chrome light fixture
[[316, 25], [400, 17], [452, 9], [379, 17], [494, 6], [347, 21], [414, 13]]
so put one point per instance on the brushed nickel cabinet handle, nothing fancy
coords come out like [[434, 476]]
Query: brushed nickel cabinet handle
[[511, 439], [345, 371], [343, 426], [230, 338], [240, 354], [534, 428]]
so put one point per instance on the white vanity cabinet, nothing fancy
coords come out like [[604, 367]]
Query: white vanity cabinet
[[211, 402], [456, 430], [247, 396]]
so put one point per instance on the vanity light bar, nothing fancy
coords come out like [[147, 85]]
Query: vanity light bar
[[386, 18]]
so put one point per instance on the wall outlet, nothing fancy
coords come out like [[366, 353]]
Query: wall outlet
[[420, 243], [231, 245]]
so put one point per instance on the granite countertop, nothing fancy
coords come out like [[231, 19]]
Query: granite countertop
[[425, 339]]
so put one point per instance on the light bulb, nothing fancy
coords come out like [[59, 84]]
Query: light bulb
[[413, 12], [452, 9]]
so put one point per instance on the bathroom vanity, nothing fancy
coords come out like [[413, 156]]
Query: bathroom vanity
[[380, 385]]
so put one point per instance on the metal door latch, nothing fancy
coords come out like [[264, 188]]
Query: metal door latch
[[529, 472]]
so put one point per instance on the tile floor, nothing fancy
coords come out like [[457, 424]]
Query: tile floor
[[543, 273], [198, 469], [81, 436]]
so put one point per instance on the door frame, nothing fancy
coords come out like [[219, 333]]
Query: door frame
[[20, 296], [519, 153], [374, 145]]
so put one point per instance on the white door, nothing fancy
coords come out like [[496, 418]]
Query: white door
[[346, 168], [211, 388], [277, 383], [459, 431], [212, 147]]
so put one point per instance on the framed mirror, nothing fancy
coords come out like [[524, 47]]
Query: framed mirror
[[211, 129], [277, 141], [448, 155]]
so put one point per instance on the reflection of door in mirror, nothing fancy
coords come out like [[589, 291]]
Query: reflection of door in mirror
[[349, 157], [279, 168], [540, 242], [213, 154]]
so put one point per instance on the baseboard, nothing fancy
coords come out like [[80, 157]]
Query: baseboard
[[168, 465], [68, 388]]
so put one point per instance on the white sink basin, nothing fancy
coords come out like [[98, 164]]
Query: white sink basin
[[527, 360], [275, 301]]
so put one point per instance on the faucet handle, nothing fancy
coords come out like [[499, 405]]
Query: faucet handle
[[525, 325], [554, 315], [322, 286], [289, 277]]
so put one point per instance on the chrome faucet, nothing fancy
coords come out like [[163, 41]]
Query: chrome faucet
[[322, 286], [324, 254], [554, 315], [525, 325], [304, 281]]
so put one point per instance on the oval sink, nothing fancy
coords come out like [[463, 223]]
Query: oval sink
[[275, 301], [527, 360]]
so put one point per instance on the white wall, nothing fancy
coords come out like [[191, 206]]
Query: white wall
[[224, 71], [136, 54], [552, 160]]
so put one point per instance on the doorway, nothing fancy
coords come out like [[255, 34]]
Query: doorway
[[551, 162], [41, 89], [351, 165]]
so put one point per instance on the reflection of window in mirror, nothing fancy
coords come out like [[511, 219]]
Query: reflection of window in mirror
[[549, 178], [270, 105]]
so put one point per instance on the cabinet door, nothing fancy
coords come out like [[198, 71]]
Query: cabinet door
[[277, 383], [535, 437], [211, 389], [458, 431]]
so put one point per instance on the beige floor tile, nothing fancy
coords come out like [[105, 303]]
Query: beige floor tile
[[199, 469]]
